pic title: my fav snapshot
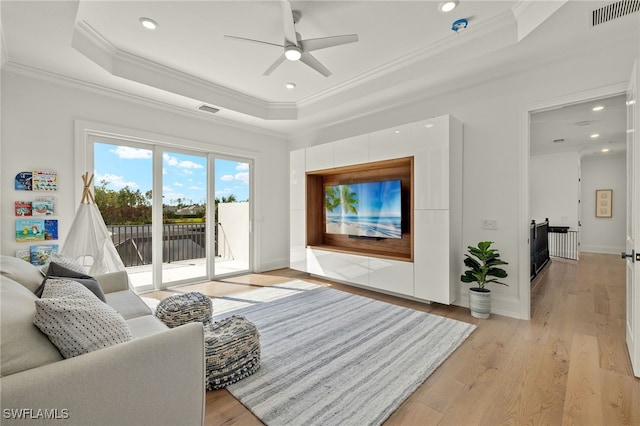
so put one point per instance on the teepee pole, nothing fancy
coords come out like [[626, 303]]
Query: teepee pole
[[87, 196]]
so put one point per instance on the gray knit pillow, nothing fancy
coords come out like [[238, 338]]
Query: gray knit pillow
[[76, 321]]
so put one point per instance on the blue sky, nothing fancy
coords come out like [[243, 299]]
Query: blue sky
[[184, 176]]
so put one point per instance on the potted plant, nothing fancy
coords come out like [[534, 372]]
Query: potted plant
[[482, 263]]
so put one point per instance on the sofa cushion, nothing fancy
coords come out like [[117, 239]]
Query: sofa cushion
[[22, 345], [21, 272], [145, 326], [56, 271], [128, 304], [76, 321]]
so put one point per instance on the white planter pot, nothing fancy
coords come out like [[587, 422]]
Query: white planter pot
[[480, 302]]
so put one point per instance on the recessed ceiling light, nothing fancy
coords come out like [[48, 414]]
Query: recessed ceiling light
[[605, 150], [397, 131], [595, 135], [429, 125], [149, 23], [290, 86], [447, 6], [597, 108], [631, 102]]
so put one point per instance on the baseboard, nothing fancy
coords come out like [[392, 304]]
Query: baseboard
[[601, 249], [272, 265]]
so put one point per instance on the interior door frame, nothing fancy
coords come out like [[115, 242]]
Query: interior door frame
[[524, 217]]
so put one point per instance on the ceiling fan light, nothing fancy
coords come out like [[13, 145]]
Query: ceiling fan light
[[292, 53]]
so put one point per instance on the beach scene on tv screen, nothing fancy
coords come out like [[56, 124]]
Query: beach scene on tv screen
[[368, 209]]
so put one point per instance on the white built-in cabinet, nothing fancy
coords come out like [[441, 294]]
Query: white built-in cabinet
[[434, 274]]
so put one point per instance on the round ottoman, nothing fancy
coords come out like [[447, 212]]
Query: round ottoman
[[184, 308], [232, 351]]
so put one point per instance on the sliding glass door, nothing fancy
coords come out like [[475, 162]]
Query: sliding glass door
[[123, 181], [170, 222], [184, 208], [232, 216]]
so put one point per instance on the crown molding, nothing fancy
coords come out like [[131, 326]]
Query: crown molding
[[40, 74], [120, 63]]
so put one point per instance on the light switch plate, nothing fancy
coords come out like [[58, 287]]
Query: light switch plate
[[490, 224]]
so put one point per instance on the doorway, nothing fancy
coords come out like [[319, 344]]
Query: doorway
[[524, 272], [577, 156]]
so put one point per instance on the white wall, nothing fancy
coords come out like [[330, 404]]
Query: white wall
[[604, 235], [38, 118], [555, 189], [494, 145]]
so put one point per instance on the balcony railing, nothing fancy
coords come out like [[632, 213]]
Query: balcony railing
[[182, 241]]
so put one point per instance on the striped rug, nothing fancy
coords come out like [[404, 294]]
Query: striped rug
[[334, 358]]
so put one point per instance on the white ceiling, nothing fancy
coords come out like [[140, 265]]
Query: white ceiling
[[569, 128], [404, 47]]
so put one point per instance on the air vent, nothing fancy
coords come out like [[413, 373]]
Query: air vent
[[558, 140], [614, 11], [584, 123], [207, 108]]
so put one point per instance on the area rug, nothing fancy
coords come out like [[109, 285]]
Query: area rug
[[334, 358]]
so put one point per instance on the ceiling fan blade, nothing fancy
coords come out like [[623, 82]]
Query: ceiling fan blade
[[315, 64], [324, 42], [289, 27], [250, 40], [274, 65]]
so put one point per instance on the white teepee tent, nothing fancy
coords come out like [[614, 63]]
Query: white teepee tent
[[89, 241]]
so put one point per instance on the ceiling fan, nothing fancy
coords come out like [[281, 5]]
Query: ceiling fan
[[297, 49]]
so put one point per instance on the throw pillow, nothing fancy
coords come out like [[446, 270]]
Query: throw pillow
[[66, 261], [78, 323], [64, 287], [56, 271]]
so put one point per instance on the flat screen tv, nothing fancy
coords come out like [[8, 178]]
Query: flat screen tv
[[367, 209]]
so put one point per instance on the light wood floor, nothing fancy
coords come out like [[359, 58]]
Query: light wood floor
[[567, 366]]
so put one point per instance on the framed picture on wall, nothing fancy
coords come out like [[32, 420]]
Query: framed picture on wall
[[604, 202]]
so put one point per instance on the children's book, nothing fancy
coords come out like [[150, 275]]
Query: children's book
[[44, 181], [51, 229], [23, 181], [30, 230], [43, 206], [24, 254], [23, 208], [40, 254]]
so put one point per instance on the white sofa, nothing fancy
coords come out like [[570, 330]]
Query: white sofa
[[157, 378]]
